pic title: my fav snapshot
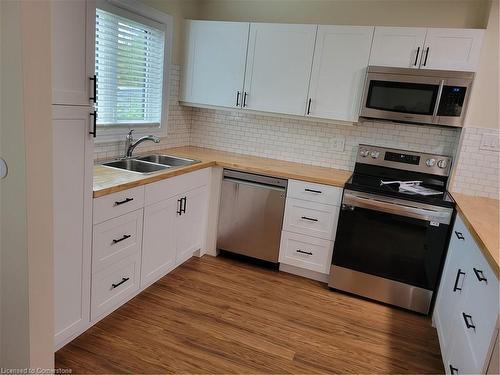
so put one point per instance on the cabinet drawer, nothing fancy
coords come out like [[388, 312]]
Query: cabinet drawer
[[171, 187], [114, 285], [116, 239], [307, 252], [314, 192], [310, 218], [480, 309], [117, 204]]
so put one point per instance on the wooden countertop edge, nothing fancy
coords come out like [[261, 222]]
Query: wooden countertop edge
[[478, 238]]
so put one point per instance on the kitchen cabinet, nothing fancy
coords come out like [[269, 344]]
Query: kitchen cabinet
[[278, 67], [452, 49], [215, 62], [427, 48], [338, 73], [72, 189], [309, 228], [467, 306], [73, 30], [398, 46]]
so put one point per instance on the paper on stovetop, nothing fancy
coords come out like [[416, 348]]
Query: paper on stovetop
[[412, 187]]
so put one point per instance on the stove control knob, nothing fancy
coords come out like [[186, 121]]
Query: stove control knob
[[374, 154], [442, 163], [430, 162], [364, 153]]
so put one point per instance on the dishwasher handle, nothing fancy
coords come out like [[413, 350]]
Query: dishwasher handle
[[254, 184]]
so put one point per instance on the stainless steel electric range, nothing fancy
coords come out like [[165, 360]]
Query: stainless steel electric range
[[394, 227]]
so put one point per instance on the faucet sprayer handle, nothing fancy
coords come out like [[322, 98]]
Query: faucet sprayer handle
[[129, 135]]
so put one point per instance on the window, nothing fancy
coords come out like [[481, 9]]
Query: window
[[130, 69]]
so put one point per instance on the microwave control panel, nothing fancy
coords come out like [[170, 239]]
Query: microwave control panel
[[452, 101]]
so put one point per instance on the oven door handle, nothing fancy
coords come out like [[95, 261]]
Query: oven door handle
[[442, 217]]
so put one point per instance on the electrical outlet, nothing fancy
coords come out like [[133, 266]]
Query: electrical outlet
[[490, 142], [337, 144]]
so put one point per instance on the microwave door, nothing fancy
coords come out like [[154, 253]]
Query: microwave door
[[452, 103], [401, 98]]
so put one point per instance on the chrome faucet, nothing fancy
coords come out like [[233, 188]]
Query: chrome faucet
[[130, 144]]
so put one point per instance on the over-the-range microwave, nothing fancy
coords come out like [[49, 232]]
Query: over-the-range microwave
[[437, 97]]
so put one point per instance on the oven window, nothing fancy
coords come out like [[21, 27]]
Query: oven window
[[390, 246], [404, 97]]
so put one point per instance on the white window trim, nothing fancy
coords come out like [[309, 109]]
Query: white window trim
[[118, 133]]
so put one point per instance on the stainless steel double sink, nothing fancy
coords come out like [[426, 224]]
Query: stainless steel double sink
[[150, 163]]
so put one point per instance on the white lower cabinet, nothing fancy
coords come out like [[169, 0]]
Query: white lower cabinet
[[309, 226], [467, 306]]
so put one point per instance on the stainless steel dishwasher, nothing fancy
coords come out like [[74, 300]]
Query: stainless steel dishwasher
[[251, 214]]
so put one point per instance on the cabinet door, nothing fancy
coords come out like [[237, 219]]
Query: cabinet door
[[455, 280], [397, 46], [278, 67], [73, 24], [159, 237], [452, 49], [338, 74], [190, 225], [72, 177], [215, 62]]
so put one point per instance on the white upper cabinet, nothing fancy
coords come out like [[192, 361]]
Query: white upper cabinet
[[278, 67], [452, 49], [398, 46], [73, 30], [338, 73], [215, 62], [427, 48]]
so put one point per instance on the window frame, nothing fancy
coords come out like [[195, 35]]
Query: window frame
[[144, 14]]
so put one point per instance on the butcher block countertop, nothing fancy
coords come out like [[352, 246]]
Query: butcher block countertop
[[109, 180], [481, 215]]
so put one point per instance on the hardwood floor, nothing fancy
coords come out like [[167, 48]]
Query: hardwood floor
[[218, 315]]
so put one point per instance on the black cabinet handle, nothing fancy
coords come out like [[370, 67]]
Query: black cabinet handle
[[304, 252], [416, 57], [245, 99], [124, 280], [179, 211], [453, 370], [480, 275], [237, 98], [459, 235], [125, 236], [309, 106], [313, 191], [126, 200], [455, 287], [184, 206], [426, 56], [308, 218], [94, 97], [94, 125], [468, 321]]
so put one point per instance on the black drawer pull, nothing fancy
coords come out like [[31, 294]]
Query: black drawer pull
[[313, 191], [453, 370], [426, 56], [480, 275], [304, 252], [459, 235], [309, 106], [455, 287], [124, 280], [93, 133], [308, 218], [179, 211], [94, 97], [468, 321], [416, 57], [126, 200], [245, 99], [237, 98], [125, 236], [185, 204]]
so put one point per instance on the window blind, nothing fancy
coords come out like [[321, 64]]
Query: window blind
[[129, 69]]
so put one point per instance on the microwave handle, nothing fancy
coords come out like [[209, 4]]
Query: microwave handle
[[438, 99]]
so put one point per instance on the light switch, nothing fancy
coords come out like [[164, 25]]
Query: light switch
[[490, 142], [337, 144]]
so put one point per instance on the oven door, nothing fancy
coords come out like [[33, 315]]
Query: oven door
[[390, 244], [402, 97]]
